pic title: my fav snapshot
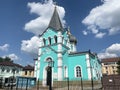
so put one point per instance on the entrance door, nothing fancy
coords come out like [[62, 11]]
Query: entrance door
[[49, 75]]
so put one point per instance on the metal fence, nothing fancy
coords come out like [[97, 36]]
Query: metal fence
[[18, 83], [111, 82], [71, 85], [56, 85]]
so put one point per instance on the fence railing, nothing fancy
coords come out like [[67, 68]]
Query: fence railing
[[56, 85]]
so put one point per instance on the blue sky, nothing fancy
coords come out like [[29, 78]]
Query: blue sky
[[95, 24]]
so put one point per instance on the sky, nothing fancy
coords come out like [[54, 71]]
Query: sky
[[95, 24]]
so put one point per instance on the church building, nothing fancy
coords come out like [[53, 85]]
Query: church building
[[58, 47]]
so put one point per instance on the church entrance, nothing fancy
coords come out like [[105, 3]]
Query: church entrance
[[49, 75], [47, 72]]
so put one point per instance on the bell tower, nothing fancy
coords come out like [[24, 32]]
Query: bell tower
[[56, 24]]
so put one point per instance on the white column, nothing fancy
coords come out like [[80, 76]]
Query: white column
[[60, 75], [88, 66], [35, 69], [74, 47], [68, 44], [38, 61]]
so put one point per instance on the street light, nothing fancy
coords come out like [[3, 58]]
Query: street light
[[49, 73]]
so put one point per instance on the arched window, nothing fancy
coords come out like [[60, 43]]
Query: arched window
[[8, 70], [55, 37], [65, 72], [3, 69], [50, 62], [44, 41], [78, 71], [49, 39], [49, 59]]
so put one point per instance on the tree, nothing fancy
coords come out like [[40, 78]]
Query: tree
[[5, 59], [118, 66]]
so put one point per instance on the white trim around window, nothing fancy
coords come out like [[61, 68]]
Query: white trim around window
[[78, 70]]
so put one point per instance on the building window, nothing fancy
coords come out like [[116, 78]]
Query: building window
[[30, 72], [55, 37], [25, 72], [106, 72], [44, 41], [17, 71], [3, 69], [49, 39], [65, 72], [8, 70], [112, 67], [78, 71], [114, 71], [49, 59], [106, 67]]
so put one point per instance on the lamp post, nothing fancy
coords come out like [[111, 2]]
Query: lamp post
[[81, 84], [49, 74]]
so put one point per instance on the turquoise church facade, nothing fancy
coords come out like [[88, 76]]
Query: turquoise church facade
[[58, 46]]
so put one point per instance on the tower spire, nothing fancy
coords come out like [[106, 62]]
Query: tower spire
[[55, 22]]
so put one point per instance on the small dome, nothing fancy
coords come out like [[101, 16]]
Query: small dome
[[73, 39]]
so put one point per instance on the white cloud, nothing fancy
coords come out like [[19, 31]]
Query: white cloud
[[12, 56], [104, 18], [4, 47], [111, 51], [115, 48], [100, 35], [106, 55], [44, 12], [85, 32], [30, 46]]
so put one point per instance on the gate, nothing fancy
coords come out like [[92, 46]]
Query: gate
[[111, 82]]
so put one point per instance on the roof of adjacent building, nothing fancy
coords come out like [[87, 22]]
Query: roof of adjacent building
[[9, 63], [28, 67], [114, 59], [55, 22]]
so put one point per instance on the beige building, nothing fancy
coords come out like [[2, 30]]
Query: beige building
[[28, 71], [109, 65]]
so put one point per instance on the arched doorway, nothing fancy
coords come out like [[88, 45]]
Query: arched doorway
[[47, 73]]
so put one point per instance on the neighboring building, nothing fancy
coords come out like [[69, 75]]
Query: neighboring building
[[109, 65], [28, 71], [58, 45], [10, 69]]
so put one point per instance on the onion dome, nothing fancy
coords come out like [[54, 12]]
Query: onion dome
[[72, 39]]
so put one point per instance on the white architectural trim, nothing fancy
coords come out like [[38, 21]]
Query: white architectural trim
[[45, 60], [44, 82], [74, 47], [88, 66], [75, 71], [60, 67]]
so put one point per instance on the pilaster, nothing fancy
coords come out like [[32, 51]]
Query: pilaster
[[88, 66], [38, 61], [60, 75]]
